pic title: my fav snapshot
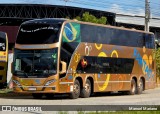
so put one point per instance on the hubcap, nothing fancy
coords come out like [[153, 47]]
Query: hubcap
[[141, 85], [87, 87], [133, 87], [76, 89]]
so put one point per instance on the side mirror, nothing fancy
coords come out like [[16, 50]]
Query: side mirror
[[157, 41], [63, 67]]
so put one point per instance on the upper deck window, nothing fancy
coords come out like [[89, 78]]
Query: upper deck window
[[38, 33]]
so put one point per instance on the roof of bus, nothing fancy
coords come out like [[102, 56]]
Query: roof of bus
[[108, 26], [45, 20], [61, 20]]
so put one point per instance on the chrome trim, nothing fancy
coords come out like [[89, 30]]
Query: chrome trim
[[66, 83], [34, 86]]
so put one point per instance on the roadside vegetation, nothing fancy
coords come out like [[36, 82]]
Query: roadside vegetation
[[113, 112], [157, 58]]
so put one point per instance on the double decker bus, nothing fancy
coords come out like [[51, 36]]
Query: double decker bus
[[3, 59], [79, 58]]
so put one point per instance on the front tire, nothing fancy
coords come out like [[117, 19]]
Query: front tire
[[76, 90], [86, 91], [133, 88]]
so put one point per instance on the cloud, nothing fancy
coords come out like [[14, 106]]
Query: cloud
[[34, 1], [134, 11]]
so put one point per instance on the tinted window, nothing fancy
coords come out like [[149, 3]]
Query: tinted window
[[106, 65], [149, 40], [40, 63], [71, 37], [2, 41], [98, 34], [38, 33], [2, 44]]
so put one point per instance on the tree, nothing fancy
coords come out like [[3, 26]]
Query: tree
[[157, 58], [91, 18]]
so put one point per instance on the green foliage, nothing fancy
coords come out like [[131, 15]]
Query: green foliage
[[5, 90], [157, 57], [126, 112], [63, 112], [91, 18]]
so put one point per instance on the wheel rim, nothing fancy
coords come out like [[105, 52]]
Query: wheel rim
[[141, 85], [76, 89], [133, 86], [87, 88]]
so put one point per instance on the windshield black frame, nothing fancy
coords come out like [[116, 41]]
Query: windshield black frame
[[35, 63], [38, 33]]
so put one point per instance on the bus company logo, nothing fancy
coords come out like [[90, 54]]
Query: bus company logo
[[21, 108], [37, 81], [6, 108]]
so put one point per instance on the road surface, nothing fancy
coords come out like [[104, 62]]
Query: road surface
[[148, 97]]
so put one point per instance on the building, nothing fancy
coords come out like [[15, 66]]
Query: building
[[137, 22], [12, 15]]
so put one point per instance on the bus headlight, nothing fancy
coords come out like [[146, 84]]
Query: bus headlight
[[49, 82], [16, 82]]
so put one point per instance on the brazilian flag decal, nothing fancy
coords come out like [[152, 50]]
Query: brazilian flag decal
[[71, 32]]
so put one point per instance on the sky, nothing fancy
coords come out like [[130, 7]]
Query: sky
[[128, 7]]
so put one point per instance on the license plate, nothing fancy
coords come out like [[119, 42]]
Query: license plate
[[32, 88]]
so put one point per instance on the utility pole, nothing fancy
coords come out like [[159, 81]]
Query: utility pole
[[66, 2], [147, 15]]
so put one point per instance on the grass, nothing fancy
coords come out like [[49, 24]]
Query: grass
[[3, 91], [113, 112], [125, 112]]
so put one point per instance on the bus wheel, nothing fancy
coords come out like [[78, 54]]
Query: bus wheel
[[141, 85], [133, 89], [86, 91], [76, 90], [37, 95]]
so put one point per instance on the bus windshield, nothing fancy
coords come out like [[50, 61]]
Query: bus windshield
[[38, 33], [36, 63], [2, 44]]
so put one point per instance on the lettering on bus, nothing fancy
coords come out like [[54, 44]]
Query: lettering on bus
[[38, 29], [142, 63]]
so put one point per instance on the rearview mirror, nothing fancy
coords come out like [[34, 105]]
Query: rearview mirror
[[12, 67], [157, 41], [63, 67]]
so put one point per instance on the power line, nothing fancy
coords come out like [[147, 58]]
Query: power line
[[105, 4]]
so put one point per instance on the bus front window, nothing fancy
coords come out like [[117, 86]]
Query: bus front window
[[2, 44], [37, 63]]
